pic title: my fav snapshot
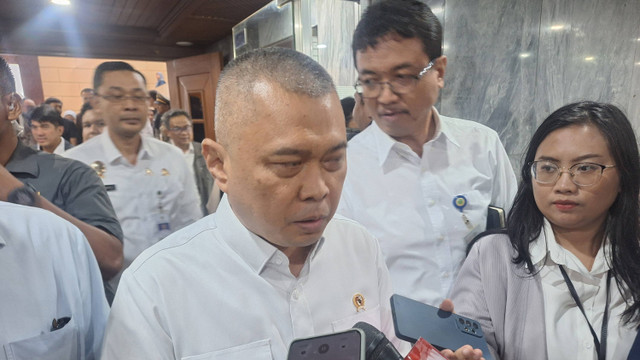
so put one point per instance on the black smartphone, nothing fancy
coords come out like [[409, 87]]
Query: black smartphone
[[442, 329], [342, 345], [496, 218]]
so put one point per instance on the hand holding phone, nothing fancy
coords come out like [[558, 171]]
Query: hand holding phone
[[442, 329]]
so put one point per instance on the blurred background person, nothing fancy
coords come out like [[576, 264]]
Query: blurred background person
[[71, 132], [47, 129], [91, 122], [178, 127]]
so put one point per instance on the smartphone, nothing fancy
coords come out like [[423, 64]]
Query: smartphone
[[342, 345], [442, 329], [496, 218]]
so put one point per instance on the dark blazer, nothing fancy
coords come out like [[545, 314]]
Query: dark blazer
[[204, 180]]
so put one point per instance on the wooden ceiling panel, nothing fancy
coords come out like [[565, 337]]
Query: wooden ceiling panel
[[143, 29]]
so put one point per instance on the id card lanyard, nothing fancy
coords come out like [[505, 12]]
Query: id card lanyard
[[601, 345]]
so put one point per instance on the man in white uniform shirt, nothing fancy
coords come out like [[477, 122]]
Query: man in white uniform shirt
[[148, 181], [272, 264], [419, 181], [52, 304]]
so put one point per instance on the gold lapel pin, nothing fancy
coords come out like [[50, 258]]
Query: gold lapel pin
[[358, 302], [164, 172], [99, 168], [148, 172]]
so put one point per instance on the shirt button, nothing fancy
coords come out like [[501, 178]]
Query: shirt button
[[588, 344], [278, 260], [432, 202], [295, 294], [445, 274], [440, 238]]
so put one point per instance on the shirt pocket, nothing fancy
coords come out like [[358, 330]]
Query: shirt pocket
[[59, 344], [370, 316], [257, 350]]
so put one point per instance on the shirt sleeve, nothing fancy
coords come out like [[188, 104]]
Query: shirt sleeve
[[135, 330], [83, 195]]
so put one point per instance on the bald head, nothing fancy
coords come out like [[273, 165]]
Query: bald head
[[244, 78]]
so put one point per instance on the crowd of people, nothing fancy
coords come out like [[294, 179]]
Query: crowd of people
[[122, 238]]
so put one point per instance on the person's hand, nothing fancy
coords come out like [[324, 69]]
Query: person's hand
[[464, 353]]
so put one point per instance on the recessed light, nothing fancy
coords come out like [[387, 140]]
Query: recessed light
[[322, 46], [589, 58], [524, 55], [61, 2], [184, 43], [557, 27]]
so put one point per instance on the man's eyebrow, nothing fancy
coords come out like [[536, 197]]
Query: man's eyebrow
[[297, 152], [395, 68], [342, 145]]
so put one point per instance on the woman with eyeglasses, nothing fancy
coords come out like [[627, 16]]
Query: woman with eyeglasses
[[563, 280]]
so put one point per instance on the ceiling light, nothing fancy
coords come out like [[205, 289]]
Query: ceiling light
[[524, 55], [589, 58], [557, 27], [322, 46], [61, 2], [184, 43]]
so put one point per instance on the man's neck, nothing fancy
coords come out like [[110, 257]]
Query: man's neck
[[8, 144], [416, 141], [128, 147], [51, 147], [184, 148]]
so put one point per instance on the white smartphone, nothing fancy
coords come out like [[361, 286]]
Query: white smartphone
[[342, 345]]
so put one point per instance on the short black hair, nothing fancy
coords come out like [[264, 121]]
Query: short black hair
[[108, 66], [46, 113], [7, 82], [406, 18], [167, 116], [348, 104], [52, 100]]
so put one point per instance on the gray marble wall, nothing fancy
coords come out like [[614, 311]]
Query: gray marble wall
[[512, 62]]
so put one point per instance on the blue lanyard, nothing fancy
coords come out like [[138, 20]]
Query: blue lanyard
[[601, 348]]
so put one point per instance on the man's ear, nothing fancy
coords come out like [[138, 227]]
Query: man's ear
[[60, 130], [441, 67], [217, 160], [15, 107]]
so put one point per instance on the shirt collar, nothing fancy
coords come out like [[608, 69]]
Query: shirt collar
[[385, 143], [17, 163], [190, 150], [545, 248], [253, 249], [112, 153]]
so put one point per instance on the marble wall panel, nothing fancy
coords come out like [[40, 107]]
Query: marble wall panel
[[491, 47]]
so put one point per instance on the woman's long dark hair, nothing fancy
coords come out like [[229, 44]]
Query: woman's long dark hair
[[623, 230]]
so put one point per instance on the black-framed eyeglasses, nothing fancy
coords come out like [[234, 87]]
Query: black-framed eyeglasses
[[119, 98], [177, 129], [400, 84], [582, 174]]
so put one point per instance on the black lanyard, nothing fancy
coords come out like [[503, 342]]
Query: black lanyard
[[602, 350]]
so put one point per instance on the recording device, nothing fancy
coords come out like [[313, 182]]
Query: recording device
[[342, 345], [376, 344], [444, 330]]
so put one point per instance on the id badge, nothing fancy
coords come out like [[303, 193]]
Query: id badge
[[163, 225]]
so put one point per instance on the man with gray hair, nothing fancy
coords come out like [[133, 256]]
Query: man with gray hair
[[273, 263], [178, 127]]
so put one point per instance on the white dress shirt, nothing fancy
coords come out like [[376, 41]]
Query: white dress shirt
[[188, 155], [59, 150], [158, 189], [567, 331], [215, 290], [47, 271], [406, 201]]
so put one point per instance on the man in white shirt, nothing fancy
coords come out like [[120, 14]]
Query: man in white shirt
[[47, 129], [147, 180], [272, 264], [53, 304], [177, 126], [419, 181]]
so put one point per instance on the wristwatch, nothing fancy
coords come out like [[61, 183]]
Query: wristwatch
[[25, 195]]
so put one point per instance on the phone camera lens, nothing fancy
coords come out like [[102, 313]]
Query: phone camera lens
[[323, 348]]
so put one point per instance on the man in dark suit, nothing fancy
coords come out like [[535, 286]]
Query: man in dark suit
[[178, 127]]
